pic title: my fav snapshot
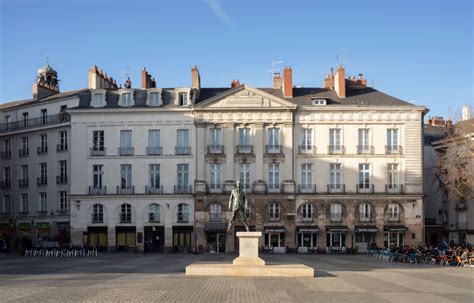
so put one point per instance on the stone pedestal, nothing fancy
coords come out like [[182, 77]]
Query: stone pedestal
[[248, 249]]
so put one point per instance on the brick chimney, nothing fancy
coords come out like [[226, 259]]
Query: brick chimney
[[438, 121], [287, 85], [340, 82], [196, 78], [235, 83], [98, 79], [276, 81], [358, 83], [329, 80], [147, 80]]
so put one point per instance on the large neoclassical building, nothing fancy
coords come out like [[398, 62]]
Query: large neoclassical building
[[324, 167]]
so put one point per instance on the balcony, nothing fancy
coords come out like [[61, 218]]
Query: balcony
[[215, 217], [365, 217], [306, 218], [154, 190], [24, 152], [336, 150], [99, 191], [23, 182], [307, 188], [306, 150], [182, 150], [42, 150], [61, 179], [98, 152], [5, 184], [394, 189], [130, 190], [183, 218], [35, 122], [244, 149], [274, 217], [461, 225], [365, 150], [154, 151], [336, 188], [393, 150], [61, 148], [216, 188], [6, 154], [335, 217], [273, 149], [125, 151], [41, 181], [183, 189], [461, 206], [215, 149], [364, 188], [275, 187]]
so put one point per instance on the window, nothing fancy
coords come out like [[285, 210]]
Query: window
[[97, 213], [24, 144], [364, 212], [154, 213], [335, 176], [127, 99], [43, 143], [182, 141], [6, 204], [335, 138], [245, 175], [215, 210], [393, 212], [215, 135], [25, 120], [154, 172], [7, 145], [154, 99], [126, 139], [97, 172], [306, 176], [43, 203], [62, 200], [44, 116], [154, 138], [364, 176], [24, 203], [183, 176], [307, 211], [62, 141], [274, 211], [363, 140], [98, 140], [306, 139], [336, 212], [215, 173], [273, 137], [98, 100], [244, 136], [43, 170], [62, 168], [183, 99], [392, 139], [24, 172], [183, 213], [125, 176], [126, 213], [318, 102], [392, 170], [274, 176], [6, 175], [7, 122]]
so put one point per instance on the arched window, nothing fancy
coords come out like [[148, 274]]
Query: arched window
[[126, 213], [364, 212], [98, 213], [274, 211], [307, 211], [393, 212], [154, 213], [336, 212], [183, 213], [215, 211]]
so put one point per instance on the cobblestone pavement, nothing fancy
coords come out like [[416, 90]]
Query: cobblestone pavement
[[160, 278]]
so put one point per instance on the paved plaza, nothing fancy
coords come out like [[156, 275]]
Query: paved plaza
[[160, 278]]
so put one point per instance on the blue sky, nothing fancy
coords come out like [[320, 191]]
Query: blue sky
[[419, 50]]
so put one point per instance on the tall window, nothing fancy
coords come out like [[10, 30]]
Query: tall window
[[154, 99], [215, 135], [182, 141], [62, 200], [393, 212], [306, 176], [392, 171], [244, 136], [183, 177], [62, 140], [44, 116], [97, 172], [154, 213], [125, 176], [98, 140], [183, 99], [273, 137], [335, 138], [392, 139], [7, 122], [336, 212], [6, 204], [244, 175], [126, 213], [6, 175], [7, 147], [154, 138], [274, 176], [307, 211], [62, 168], [24, 143], [306, 139], [24, 203], [363, 140], [215, 210], [97, 213], [215, 173], [364, 212], [126, 139], [335, 176], [98, 100], [154, 175], [43, 203], [127, 99], [364, 176], [25, 120], [44, 171], [183, 213], [24, 172], [274, 211], [44, 143]]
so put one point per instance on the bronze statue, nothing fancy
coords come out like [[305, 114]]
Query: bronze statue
[[239, 205]]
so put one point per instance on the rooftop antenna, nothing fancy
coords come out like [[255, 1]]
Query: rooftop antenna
[[126, 73], [275, 69], [341, 59]]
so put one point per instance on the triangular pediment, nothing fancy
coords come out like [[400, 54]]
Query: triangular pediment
[[245, 97]]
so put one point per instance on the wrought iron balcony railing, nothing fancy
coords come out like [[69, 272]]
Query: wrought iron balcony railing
[[35, 122]]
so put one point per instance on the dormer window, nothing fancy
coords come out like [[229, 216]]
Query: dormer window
[[183, 96], [183, 99], [318, 102], [126, 98], [98, 99], [154, 98]]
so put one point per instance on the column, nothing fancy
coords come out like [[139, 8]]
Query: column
[[201, 151]]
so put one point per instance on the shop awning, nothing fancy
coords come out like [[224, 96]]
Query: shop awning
[[366, 229], [24, 225], [395, 228], [308, 229], [42, 225], [274, 229], [337, 228], [215, 226]]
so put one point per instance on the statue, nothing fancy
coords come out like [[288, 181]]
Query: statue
[[47, 76], [239, 205]]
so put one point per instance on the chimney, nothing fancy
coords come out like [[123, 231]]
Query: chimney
[[42, 91], [98, 79], [340, 82], [287, 85], [466, 112], [235, 83], [147, 80], [196, 78], [438, 121], [276, 81]]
